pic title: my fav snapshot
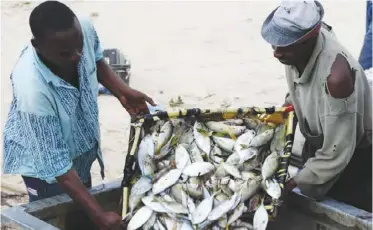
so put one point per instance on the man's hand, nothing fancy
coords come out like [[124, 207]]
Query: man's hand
[[72, 185], [132, 100], [110, 221], [135, 102]]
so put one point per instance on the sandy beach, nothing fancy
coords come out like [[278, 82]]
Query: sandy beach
[[211, 54]]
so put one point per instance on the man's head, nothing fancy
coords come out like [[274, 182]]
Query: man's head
[[292, 30], [57, 34]]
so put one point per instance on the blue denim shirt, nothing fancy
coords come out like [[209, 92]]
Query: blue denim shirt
[[365, 58], [53, 126]]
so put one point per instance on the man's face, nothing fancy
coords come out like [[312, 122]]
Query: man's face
[[293, 54], [64, 48]]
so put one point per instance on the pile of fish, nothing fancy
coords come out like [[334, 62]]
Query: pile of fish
[[206, 175]]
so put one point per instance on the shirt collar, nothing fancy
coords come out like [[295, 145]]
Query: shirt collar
[[311, 63]]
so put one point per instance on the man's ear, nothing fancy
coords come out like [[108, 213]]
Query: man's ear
[[35, 44]]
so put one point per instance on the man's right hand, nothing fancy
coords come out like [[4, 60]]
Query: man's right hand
[[73, 186], [110, 221]]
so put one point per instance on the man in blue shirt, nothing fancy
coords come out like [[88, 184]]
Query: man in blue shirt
[[52, 134], [365, 58]]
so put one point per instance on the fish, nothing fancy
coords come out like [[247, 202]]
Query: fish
[[262, 138], [237, 213], [164, 136], [195, 153], [176, 192], [187, 138], [222, 128], [278, 141], [202, 137], [175, 207], [226, 144], [138, 190], [222, 222], [198, 169], [250, 188], [145, 156], [203, 210], [231, 170], [214, 155], [260, 218], [233, 122], [182, 158], [251, 123], [166, 181], [154, 204], [170, 223], [194, 187], [159, 225], [242, 146], [140, 218], [222, 209], [235, 185], [165, 150], [270, 165], [233, 159], [247, 175], [150, 223], [272, 187]]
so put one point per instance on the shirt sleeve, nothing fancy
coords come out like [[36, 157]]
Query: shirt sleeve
[[97, 45], [340, 134], [42, 137]]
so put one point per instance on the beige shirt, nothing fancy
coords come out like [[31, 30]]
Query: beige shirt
[[336, 127]]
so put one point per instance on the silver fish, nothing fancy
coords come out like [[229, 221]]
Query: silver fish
[[165, 150], [233, 159], [233, 122], [222, 128], [163, 164], [182, 158], [202, 137], [164, 136], [161, 173], [236, 185], [159, 226], [278, 141], [194, 187], [237, 213], [214, 155], [251, 123], [272, 187], [248, 175], [202, 210], [154, 204], [232, 170], [138, 190], [170, 223], [222, 222], [150, 223], [262, 138], [226, 144], [187, 138], [222, 209], [140, 218], [260, 218], [145, 156], [250, 188], [166, 181], [270, 165], [176, 192], [195, 153], [198, 169]]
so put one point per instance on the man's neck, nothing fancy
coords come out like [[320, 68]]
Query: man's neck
[[55, 69]]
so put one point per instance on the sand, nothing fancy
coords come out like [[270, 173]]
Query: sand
[[210, 54]]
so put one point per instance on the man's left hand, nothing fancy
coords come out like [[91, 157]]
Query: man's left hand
[[135, 102]]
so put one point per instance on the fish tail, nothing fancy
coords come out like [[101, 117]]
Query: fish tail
[[127, 217]]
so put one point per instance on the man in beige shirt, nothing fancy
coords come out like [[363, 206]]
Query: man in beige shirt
[[332, 102]]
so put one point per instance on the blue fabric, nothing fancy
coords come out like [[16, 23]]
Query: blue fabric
[[38, 189], [53, 126], [365, 58]]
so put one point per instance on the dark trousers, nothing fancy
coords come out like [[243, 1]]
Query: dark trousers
[[354, 186], [39, 189]]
